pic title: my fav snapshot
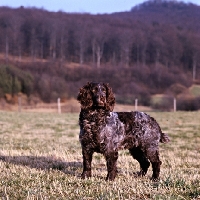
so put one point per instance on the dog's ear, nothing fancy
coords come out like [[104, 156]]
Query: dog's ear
[[85, 97], [110, 98]]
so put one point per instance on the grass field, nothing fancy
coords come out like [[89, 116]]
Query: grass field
[[40, 158]]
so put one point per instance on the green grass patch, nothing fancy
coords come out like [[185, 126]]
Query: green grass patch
[[195, 90]]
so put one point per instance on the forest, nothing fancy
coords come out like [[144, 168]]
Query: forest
[[152, 49]]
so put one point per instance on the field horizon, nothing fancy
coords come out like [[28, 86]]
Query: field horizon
[[40, 158]]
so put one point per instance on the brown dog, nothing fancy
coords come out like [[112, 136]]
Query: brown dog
[[106, 132]]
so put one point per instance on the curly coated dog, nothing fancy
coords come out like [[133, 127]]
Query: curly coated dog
[[106, 132]]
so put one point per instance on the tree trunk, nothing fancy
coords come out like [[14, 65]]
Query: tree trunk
[[93, 52], [157, 57], [81, 53], [7, 49], [33, 45], [19, 54], [194, 69], [61, 47], [144, 56], [98, 52], [127, 57], [138, 55], [53, 46], [114, 58], [42, 51]]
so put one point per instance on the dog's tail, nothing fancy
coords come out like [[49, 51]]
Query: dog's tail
[[164, 138]]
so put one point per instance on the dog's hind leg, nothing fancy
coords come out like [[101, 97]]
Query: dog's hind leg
[[87, 160], [139, 155], [153, 155], [111, 161]]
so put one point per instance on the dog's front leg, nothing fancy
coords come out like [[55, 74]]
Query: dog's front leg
[[87, 160], [111, 161]]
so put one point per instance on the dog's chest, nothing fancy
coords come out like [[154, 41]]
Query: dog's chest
[[93, 121], [102, 130], [112, 133], [91, 124]]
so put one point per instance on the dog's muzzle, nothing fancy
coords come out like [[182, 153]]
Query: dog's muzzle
[[100, 100]]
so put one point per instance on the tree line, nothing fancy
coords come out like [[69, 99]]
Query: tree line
[[164, 32], [146, 50]]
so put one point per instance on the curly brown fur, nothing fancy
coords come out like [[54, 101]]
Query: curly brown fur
[[106, 132]]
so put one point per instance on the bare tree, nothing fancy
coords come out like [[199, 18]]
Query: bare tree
[[126, 40], [195, 55], [6, 30]]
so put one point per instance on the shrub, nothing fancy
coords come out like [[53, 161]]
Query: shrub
[[9, 83], [161, 102], [143, 99], [25, 78], [188, 104], [14, 80], [43, 88], [5, 80], [176, 89], [1, 92], [51, 88], [125, 99]]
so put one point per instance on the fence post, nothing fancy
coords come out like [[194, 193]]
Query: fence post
[[19, 103], [174, 104], [59, 107], [136, 104]]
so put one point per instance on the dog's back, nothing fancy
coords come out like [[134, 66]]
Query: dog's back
[[142, 128]]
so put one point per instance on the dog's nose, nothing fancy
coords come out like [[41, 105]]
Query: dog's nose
[[101, 97]]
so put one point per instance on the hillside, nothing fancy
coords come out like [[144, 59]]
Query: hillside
[[146, 51]]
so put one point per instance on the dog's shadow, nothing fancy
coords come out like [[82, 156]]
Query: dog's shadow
[[44, 163]]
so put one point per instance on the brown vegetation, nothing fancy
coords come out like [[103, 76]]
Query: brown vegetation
[[148, 50]]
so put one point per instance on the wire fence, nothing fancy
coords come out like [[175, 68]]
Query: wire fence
[[68, 107]]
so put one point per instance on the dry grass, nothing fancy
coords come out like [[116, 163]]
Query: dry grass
[[40, 158]]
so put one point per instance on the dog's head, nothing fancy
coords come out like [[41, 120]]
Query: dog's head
[[96, 95]]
